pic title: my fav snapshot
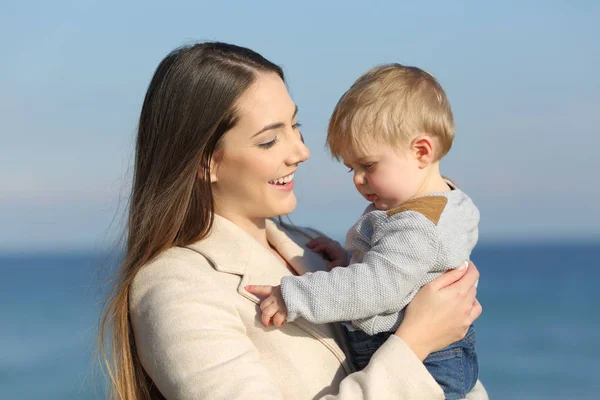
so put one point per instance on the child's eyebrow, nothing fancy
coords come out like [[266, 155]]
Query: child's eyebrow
[[365, 159]]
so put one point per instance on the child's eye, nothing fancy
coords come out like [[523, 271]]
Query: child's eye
[[350, 169], [368, 166], [268, 145]]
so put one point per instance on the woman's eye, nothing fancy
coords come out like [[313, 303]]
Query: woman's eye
[[297, 125], [268, 145]]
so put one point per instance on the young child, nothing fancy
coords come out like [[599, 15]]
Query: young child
[[391, 129]]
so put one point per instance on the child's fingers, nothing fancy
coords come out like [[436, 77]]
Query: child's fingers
[[266, 302], [265, 319], [261, 290], [279, 319], [269, 312], [314, 242], [267, 315], [319, 247], [334, 252], [327, 250]]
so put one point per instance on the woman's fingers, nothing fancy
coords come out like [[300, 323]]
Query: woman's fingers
[[468, 280], [442, 311], [470, 297], [470, 305], [476, 311], [450, 277]]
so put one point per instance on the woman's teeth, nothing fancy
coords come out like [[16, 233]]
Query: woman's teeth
[[283, 181]]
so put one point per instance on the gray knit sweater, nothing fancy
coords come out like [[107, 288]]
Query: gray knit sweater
[[394, 253]]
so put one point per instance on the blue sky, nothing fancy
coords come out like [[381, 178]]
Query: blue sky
[[522, 78]]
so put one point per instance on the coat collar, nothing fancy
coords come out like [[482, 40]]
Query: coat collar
[[231, 250], [227, 247]]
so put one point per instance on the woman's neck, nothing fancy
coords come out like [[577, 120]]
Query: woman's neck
[[253, 227], [257, 228]]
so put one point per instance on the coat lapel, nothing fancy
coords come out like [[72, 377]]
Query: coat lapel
[[233, 251]]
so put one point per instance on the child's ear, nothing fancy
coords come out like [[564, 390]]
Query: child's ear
[[423, 148]]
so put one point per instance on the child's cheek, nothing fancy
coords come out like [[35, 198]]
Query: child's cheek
[[375, 183]]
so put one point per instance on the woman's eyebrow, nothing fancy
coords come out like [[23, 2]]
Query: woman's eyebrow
[[275, 125]]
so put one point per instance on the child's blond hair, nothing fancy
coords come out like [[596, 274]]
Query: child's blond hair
[[391, 104]]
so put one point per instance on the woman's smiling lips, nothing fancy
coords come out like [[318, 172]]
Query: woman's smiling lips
[[285, 183]]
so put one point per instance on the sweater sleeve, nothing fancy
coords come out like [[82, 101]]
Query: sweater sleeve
[[403, 249]]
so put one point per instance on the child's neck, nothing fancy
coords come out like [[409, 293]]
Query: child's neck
[[433, 181]]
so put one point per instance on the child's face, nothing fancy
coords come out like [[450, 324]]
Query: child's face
[[387, 177]]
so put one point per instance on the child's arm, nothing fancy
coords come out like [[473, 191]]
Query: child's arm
[[273, 308], [404, 248]]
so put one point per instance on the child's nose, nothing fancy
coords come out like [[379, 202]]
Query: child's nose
[[359, 178]]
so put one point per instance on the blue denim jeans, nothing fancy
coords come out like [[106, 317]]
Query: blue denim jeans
[[455, 368]]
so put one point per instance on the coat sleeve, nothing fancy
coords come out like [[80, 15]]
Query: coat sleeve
[[193, 344]]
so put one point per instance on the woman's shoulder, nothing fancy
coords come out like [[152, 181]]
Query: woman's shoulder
[[168, 270], [173, 261]]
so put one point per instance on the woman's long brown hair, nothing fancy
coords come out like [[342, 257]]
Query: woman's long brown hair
[[188, 108]]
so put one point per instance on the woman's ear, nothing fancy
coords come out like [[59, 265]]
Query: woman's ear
[[213, 170], [423, 148]]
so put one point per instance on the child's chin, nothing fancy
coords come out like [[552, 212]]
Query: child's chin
[[381, 207], [384, 206]]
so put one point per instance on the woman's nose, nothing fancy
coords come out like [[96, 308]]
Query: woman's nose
[[300, 152]]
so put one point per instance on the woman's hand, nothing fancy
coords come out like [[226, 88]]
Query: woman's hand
[[330, 250], [441, 312]]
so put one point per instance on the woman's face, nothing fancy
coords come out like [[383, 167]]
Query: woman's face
[[252, 173]]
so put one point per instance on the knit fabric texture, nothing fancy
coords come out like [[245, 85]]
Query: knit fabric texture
[[393, 256]]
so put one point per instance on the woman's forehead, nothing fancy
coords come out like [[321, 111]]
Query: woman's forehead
[[266, 102]]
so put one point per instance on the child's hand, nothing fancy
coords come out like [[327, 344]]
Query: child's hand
[[331, 250], [272, 307]]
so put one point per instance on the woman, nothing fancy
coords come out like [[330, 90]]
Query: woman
[[217, 149]]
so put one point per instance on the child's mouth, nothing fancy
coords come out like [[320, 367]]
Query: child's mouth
[[371, 197]]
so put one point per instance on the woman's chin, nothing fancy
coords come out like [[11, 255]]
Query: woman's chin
[[284, 207]]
